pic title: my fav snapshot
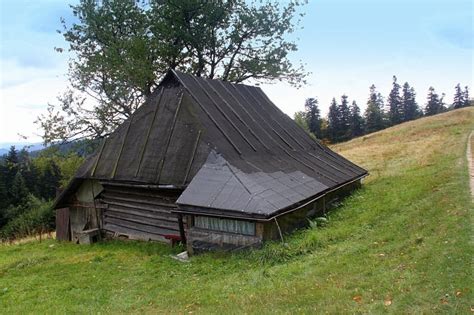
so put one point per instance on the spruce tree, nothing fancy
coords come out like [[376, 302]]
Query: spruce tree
[[18, 190], [50, 180], [395, 110], [11, 163], [467, 102], [4, 198], [411, 109], [344, 119], [356, 121], [334, 121], [313, 117], [373, 113], [435, 103], [458, 100]]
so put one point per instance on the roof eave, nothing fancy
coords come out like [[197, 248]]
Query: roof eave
[[235, 214]]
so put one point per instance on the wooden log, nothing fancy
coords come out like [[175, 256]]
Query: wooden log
[[139, 206], [144, 213], [135, 234], [141, 227], [140, 220]]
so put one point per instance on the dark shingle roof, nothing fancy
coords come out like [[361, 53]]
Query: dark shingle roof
[[227, 144]]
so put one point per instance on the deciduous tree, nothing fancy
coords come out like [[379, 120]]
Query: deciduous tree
[[122, 48]]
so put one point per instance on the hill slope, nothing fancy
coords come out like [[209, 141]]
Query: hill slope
[[400, 244]]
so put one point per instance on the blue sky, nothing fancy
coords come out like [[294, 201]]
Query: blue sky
[[346, 45]]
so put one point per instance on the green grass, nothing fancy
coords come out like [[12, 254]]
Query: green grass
[[405, 237]]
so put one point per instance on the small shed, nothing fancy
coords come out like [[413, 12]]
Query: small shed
[[206, 162]]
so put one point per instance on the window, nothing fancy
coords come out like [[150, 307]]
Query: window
[[225, 225]]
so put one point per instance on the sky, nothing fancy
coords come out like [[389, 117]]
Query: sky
[[346, 45]]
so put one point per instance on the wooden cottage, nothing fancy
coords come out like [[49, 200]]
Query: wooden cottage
[[214, 164]]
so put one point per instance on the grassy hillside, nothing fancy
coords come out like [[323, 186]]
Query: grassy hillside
[[402, 244]]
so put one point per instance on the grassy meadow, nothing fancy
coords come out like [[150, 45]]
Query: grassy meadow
[[401, 244]]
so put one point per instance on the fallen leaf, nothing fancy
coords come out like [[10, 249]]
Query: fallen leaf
[[444, 301], [387, 301], [357, 298], [458, 293], [382, 255]]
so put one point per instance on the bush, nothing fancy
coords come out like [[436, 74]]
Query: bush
[[34, 217]]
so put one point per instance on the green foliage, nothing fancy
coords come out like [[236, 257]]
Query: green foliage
[[356, 123], [374, 115], [123, 48], [313, 117], [467, 101], [22, 209], [458, 99], [18, 190], [395, 107], [334, 121], [410, 107], [435, 104], [343, 120], [300, 119], [31, 217]]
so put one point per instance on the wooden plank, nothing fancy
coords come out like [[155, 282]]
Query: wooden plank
[[141, 227], [134, 234], [182, 233], [142, 200], [163, 212], [143, 190], [141, 220], [62, 225], [144, 213], [159, 201]]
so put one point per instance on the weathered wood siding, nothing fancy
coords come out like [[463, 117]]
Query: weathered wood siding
[[84, 216], [62, 224], [139, 213]]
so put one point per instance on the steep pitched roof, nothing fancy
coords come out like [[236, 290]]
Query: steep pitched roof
[[200, 133]]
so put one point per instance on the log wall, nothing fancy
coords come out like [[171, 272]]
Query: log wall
[[139, 213]]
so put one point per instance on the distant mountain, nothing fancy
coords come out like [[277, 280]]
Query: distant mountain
[[30, 146], [81, 147]]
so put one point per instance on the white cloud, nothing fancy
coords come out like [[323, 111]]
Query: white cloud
[[24, 95]]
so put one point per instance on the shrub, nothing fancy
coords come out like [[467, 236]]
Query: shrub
[[35, 216]]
